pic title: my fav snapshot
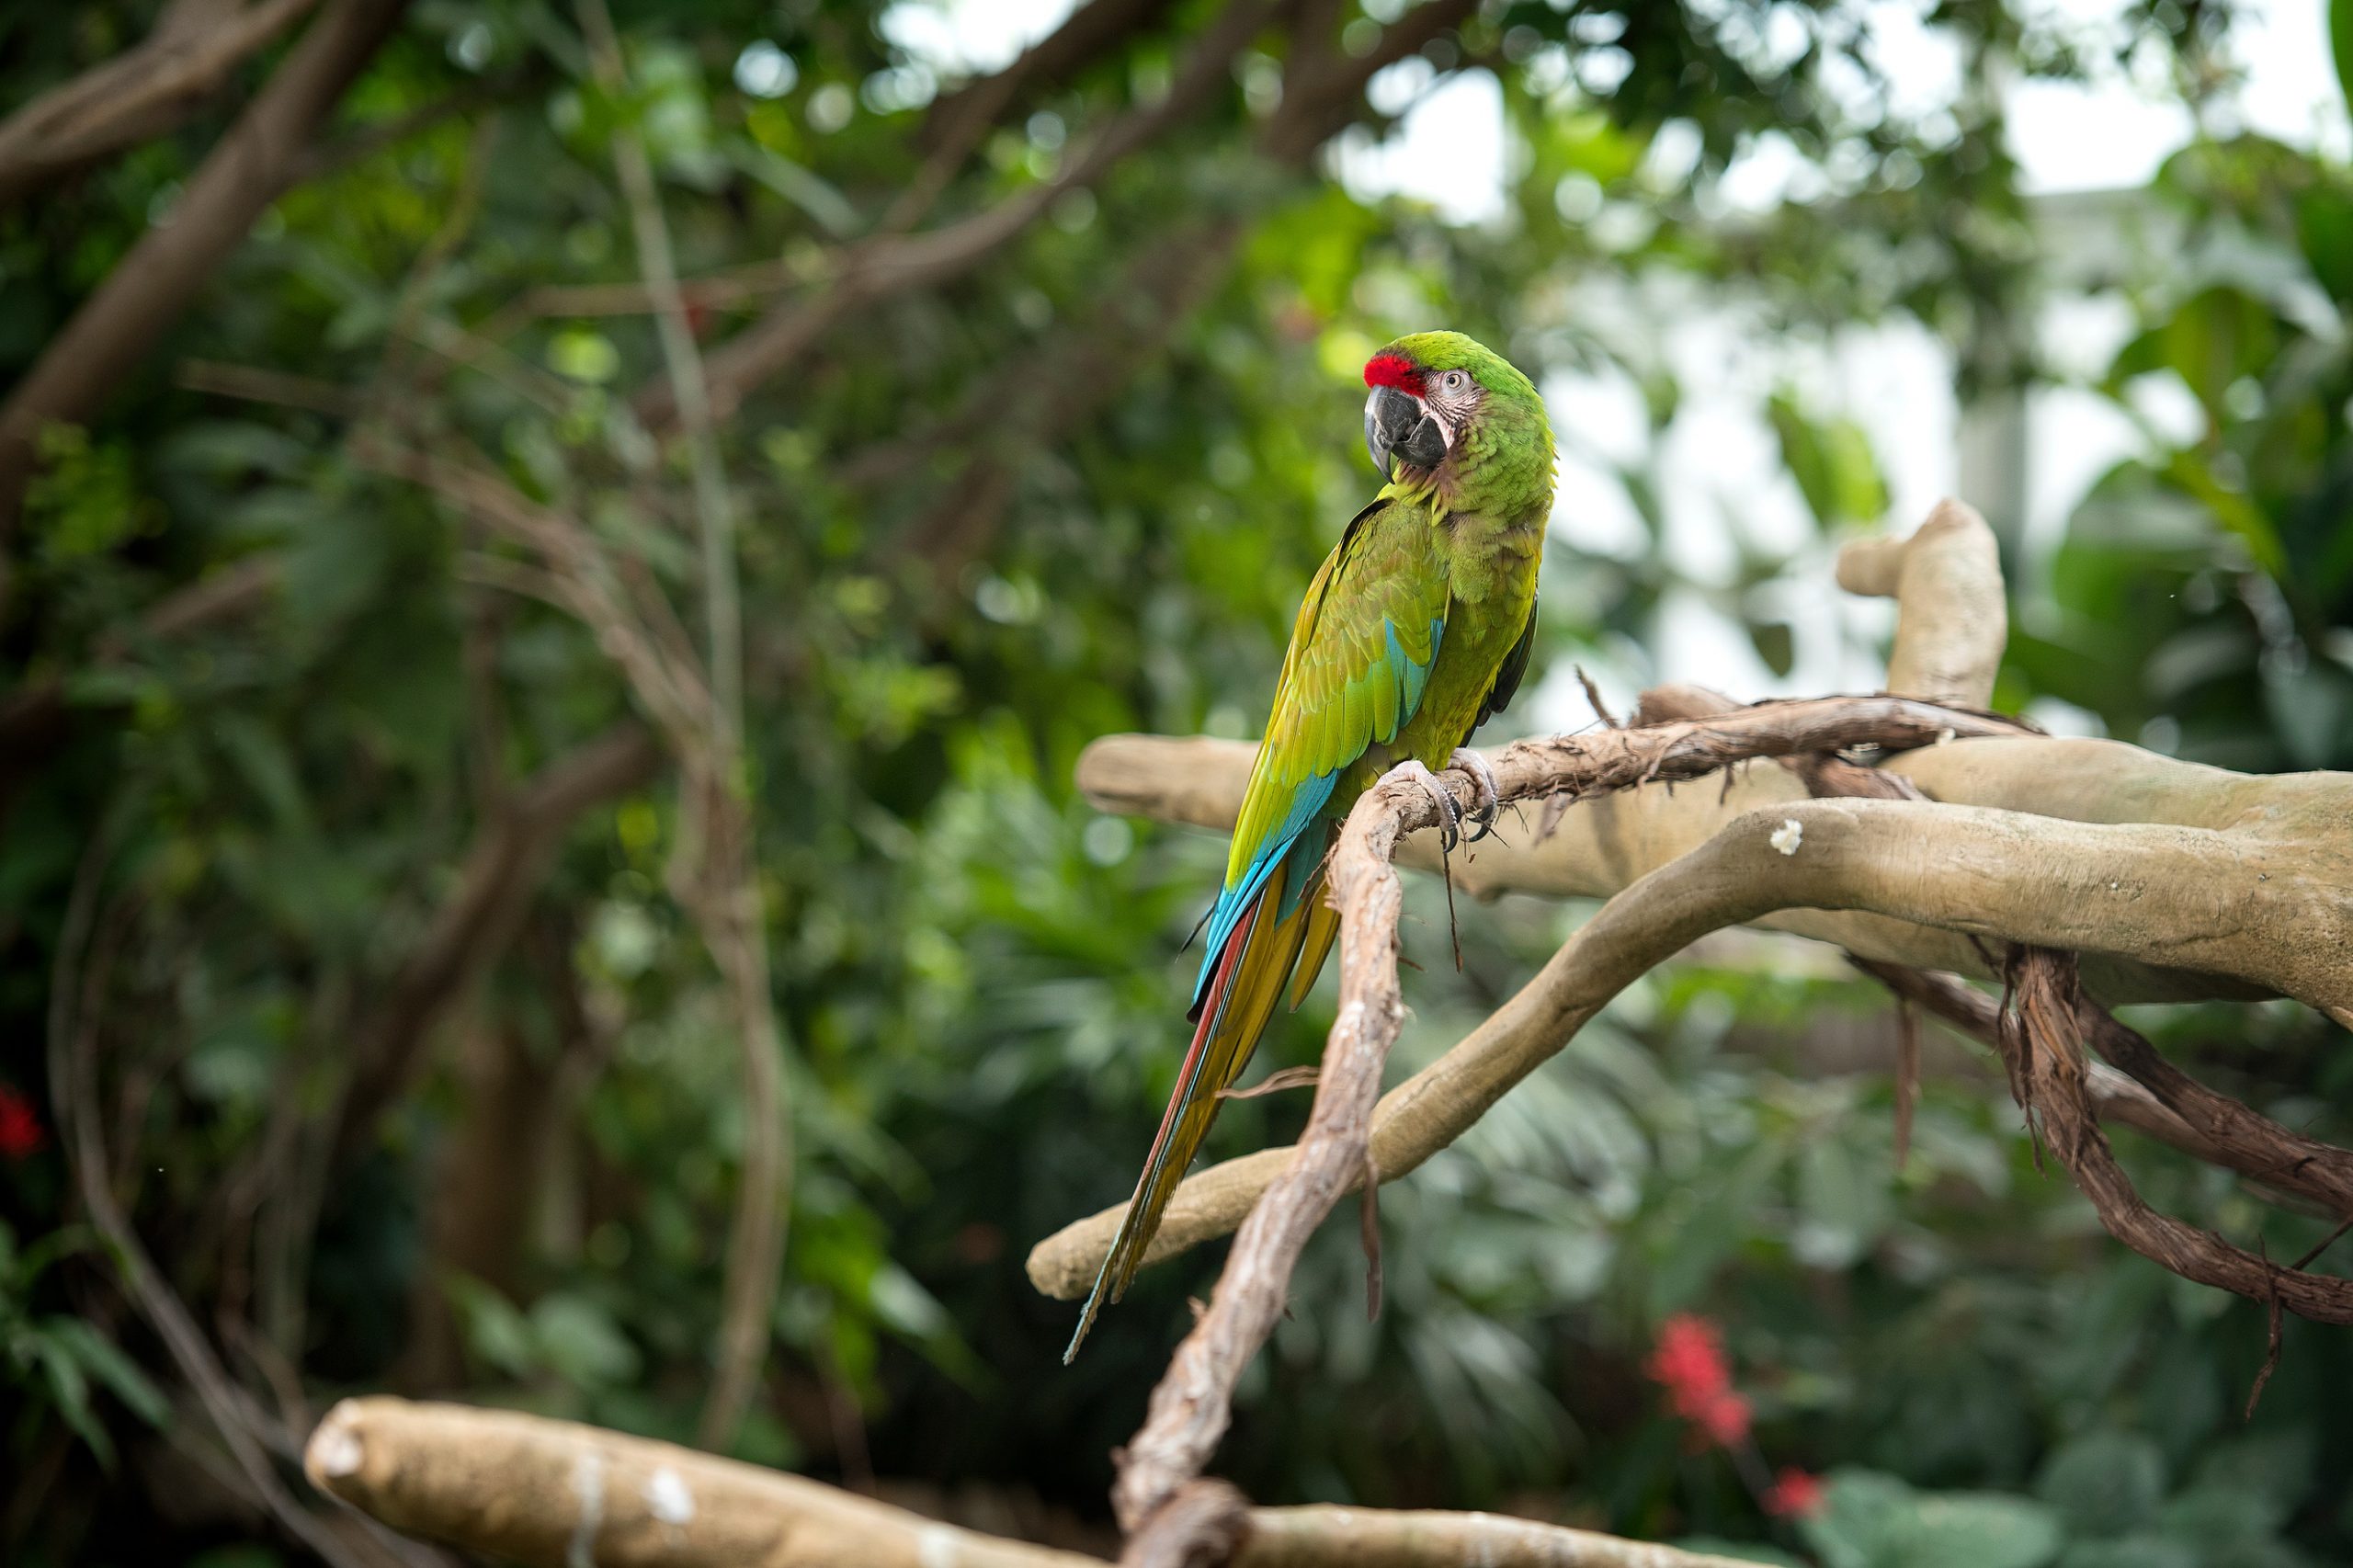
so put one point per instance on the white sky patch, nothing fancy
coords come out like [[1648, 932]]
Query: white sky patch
[[965, 37], [1447, 151], [2116, 129], [2097, 136], [1591, 511]]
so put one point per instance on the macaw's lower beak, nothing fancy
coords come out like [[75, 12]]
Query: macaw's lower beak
[[1400, 424]]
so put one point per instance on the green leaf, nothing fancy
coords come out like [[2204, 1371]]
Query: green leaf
[[2340, 45], [580, 1341], [1775, 643], [1738, 1551], [1871, 1520], [1832, 462], [1842, 1207], [2130, 1551], [105, 1361], [493, 1330], [2103, 1483]]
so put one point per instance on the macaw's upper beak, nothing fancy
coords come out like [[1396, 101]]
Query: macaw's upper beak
[[1398, 423]]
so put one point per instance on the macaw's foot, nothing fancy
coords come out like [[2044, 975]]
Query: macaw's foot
[[1449, 816], [1491, 800]]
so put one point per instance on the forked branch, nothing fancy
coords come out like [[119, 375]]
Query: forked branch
[[2236, 897]]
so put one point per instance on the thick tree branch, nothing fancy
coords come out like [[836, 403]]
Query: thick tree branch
[[1901, 858], [2196, 899], [2267, 899], [1600, 847], [553, 1494], [143, 92], [254, 164]]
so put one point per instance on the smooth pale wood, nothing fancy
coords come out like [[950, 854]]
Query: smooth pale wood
[[558, 1495]]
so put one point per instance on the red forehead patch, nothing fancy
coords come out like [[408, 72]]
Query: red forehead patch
[[1393, 370]]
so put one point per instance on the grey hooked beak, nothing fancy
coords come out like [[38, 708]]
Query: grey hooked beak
[[1398, 424]]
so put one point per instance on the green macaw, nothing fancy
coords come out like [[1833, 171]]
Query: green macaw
[[1418, 626]]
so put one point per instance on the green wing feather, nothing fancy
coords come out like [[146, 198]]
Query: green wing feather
[[1366, 635]]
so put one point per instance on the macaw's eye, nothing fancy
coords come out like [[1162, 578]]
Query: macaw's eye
[[1455, 381]]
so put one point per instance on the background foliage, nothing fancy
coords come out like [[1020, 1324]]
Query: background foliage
[[1076, 486]]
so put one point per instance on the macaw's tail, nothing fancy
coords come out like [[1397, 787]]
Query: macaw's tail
[[1236, 998]]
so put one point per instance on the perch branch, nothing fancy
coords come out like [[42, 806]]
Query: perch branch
[[2154, 893], [553, 1493], [2039, 878], [1603, 845]]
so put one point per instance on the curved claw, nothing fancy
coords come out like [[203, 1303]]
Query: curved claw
[[1482, 777], [1449, 816]]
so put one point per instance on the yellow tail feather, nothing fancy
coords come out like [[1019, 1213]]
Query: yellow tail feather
[[1233, 1015], [1322, 929]]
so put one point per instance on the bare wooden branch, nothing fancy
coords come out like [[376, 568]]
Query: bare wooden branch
[[1951, 621], [1323, 1534], [2223, 902], [1603, 845], [1192, 1404], [2115, 1096], [2042, 1044], [552, 1495], [143, 92]]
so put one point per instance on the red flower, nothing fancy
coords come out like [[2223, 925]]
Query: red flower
[[1689, 1362], [1794, 1494], [1724, 1418], [21, 1134]]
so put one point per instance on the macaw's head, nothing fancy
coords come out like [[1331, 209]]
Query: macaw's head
[[1447, 409]]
